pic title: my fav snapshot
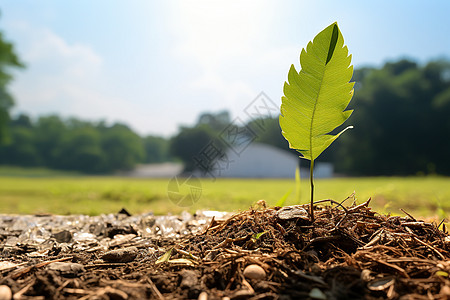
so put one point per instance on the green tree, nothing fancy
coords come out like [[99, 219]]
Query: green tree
[[73, 144], [215, 121], [80, 150], [49, 132], [156, 149], [189, 143], [8, 60], [22, 120], [21, 151], [122, 148], [401, 120]]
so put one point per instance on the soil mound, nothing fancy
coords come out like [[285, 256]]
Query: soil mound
[[349, 252]]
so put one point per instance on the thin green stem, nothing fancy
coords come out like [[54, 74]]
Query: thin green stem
[[311, 179]]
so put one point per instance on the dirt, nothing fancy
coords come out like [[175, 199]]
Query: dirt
[[349, 252]]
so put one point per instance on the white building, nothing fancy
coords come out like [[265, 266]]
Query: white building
[[266, 161]]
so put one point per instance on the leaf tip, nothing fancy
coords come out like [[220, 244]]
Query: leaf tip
[[333, 42]]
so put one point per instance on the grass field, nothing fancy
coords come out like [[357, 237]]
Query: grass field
[[421, 196]]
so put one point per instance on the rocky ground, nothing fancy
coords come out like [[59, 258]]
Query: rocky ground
[[349, 252]]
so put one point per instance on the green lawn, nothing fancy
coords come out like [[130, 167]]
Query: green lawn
[[421, 196]]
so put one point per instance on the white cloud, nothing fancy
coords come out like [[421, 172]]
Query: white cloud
[[64, 78], [46, 45]]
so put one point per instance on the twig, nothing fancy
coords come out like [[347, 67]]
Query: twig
[[247, 285], [332, 201], [210, 225], [372, 242], [223, 244], [76, 291], [365, 204], [155, 289], [429, 246], [416, 224], [321, 239], [403, 272], [408, 215], [351, 237], [226, 222], [25, 270], [412, 259], [187, 254], [19, 294]]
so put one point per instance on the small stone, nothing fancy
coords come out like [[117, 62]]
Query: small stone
[[188, 279], [123, 255], [5, 292], [125, 212], [113, 230], [366, 275], [447, 241], [315, 293], [203, 296], [445, 290], [63, 236], [67, 269], [254, 272], [293, 212]]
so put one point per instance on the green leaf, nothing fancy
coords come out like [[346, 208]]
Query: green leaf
[[315, 98], [282, 200], [256, 236], [165, 257]]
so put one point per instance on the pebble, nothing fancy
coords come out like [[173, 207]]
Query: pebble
[[445, 290], [67, 269], [366, 275], [203, 296], [121, 255], [293, 212], [315, 293], [63, 236], [254, 272], [5, 292], [188, 278]]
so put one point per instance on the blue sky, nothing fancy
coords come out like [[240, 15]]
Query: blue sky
[[156, 65]]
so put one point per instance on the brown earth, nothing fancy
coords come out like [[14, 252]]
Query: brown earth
[[263, 253]]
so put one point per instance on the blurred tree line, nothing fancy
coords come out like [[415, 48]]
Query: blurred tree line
[[401, 118], [78, 145]]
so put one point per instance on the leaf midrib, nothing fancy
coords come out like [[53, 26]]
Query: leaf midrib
[[313, 114]]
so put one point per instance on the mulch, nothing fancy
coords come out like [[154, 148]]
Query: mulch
[[349, 252]]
